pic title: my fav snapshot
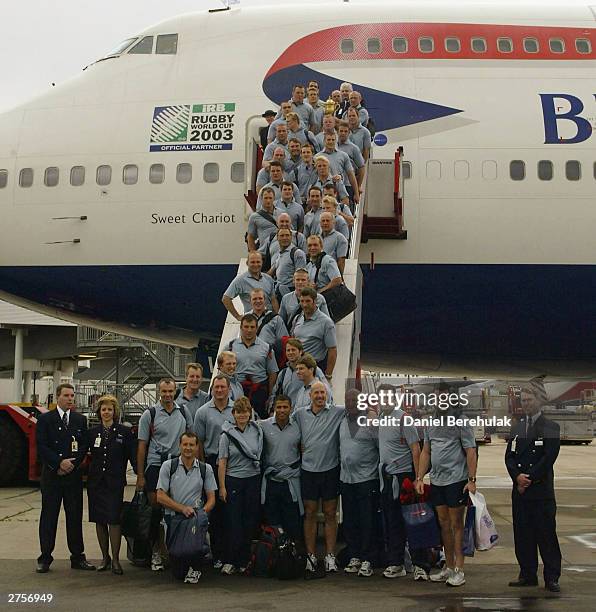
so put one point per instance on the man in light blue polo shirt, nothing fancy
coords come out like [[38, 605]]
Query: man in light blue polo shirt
[[311, 218], [290, 308], [263, 223], [322, 270], [159, 440], [270, 326], [276, 174], [399, 456], [318, 107], [316, 331], [280, 155], [285, 262], [287, 204], [355, 100], [208, 425], [271, 246], [296, 130], [280, 489], [281, 140], [359, 485], [308, 373], [303, 109], [243, 284], [347, 146], [339, 222], [324, 176], [319, 435], [191, 397], [334, 243], [257, 368], [226, 364], [359, 135], [184, 491], [284, 109], [328, 128], [339, 163], [305, 173]]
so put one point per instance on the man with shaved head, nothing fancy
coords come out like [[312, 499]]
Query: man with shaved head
[[319, 436]]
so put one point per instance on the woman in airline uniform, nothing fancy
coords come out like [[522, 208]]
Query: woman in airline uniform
[[111, 446]]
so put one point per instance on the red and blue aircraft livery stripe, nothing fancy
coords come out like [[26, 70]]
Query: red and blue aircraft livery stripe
[[393, 111]]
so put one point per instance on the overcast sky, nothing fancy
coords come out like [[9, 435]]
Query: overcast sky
[[45, 41]]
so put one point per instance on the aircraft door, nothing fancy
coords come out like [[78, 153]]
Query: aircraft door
[[253, 158]]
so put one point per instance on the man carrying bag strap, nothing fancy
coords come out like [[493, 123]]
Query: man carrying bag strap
[[186, 489]]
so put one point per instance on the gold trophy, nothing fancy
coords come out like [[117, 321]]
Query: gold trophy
[[330, 106]]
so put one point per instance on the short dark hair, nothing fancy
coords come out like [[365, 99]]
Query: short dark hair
[[282, 398], [63, 386], [298, 85], [315, 188], [221, 377], [309, 292], [275, 164], [287, 184], [308, 361], [268, 190], [250, 318], [189, 434]]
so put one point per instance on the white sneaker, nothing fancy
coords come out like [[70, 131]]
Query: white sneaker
[[217, 564], [330, 563], [394, 571], [192, 576], [311, 563], [242, 570], [457, 578], [441, 576], [156, 562], [353, 566], [228, 569], [420, 574], [365, 569]]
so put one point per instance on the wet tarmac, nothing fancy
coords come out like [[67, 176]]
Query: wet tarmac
[[487, 574]]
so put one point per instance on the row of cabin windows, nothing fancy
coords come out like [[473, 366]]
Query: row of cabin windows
[[478, 44], [545, 170], [130, 175]]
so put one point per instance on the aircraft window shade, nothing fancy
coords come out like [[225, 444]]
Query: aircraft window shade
[[433, 170], [479, 45], [104, 175], [143, 47], [237, 172], [167, 44], [400, 45], [3, 178], [51, 177], [406, 169], [573, 170], [505, 45], [184, 174], [122, 46], [426, 44], [583, 46], [130, 174], [373, 45], [452, 45], [531, 45], [26, 177], [211, 172], [157, 174], [489, 170], [461, 170], [347, 45], [77, 176], [545, 170], [556, 45], [517, 170]]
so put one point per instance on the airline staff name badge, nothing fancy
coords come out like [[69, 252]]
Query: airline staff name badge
[[193, 127]]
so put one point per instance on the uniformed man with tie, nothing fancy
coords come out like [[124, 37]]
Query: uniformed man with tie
[[532, 450], [61, 447]]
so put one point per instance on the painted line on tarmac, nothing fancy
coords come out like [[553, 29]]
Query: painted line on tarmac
[[587, 539]]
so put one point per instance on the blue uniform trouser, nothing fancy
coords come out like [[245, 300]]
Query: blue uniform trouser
[[242, 511], [535, 528], [394, 527], [281, 510], [216, 517], [360, 507]]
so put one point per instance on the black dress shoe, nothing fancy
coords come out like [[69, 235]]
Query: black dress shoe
[[553, 586], [82, 565], [42, 568], [523, 582], [105, 565], [117, 569]]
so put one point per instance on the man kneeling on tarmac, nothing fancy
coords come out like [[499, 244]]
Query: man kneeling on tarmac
[[181, 489]]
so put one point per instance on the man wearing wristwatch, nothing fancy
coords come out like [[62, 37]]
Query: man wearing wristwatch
[[451, 451]]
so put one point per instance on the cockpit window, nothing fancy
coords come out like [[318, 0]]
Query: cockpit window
[[144, 46], [122, 46], [167, 44]]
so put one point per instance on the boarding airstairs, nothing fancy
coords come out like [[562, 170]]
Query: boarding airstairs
[[347, 367]]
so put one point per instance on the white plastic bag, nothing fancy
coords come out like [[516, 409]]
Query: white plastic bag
[[486, 535]]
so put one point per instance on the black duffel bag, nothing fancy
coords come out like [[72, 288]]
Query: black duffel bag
[[137, 517], [340, 302]]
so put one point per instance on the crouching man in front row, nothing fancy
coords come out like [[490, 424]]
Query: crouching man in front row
[[185, 486]]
